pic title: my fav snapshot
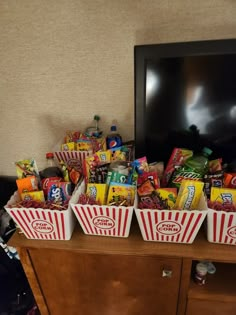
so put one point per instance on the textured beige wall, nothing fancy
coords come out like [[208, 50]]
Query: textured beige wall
[[62, 61]]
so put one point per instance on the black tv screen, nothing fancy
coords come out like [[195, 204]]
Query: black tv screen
[[185, 96]]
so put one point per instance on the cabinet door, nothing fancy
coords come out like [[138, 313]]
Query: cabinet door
[[90, 284], [205, 307]]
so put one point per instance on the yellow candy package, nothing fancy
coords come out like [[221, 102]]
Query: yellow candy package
[[104, 156], [33, 195], [68, 146], [121, 195], [98, 192], [84, 145], [168, 195], [119, 153], [189, 195], [223, 196], [26, 168]]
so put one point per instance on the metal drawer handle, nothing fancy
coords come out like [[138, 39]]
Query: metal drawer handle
[[166, 273]]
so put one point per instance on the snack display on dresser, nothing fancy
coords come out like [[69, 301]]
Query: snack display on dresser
[[107, 184]]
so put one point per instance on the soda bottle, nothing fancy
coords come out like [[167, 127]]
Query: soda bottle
[[194, 168], [51, 172], [199, 163], [113, 139]]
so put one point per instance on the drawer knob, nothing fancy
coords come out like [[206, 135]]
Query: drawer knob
[[166, 273]]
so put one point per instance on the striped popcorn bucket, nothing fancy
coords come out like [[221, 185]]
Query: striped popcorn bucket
[[221, 227], [104, 220], [43, 224], [171, 225], [72, 157]]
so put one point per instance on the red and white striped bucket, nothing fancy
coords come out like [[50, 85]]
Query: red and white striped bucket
[[43, 224], [104, 220], [221, 227], [173, 226], [67, 156]]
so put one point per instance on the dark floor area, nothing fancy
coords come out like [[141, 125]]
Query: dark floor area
[[16, 297]]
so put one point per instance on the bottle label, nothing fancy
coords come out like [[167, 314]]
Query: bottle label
[[179, 176], [114, 142]]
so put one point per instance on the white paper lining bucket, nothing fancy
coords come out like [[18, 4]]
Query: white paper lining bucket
[[43, 224], [173, 226], [221, 227], [103, 220]]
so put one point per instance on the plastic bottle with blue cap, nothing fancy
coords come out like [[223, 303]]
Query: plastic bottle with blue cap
[[113, 139]]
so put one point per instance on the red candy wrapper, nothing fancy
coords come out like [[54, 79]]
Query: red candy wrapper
[[230, 180], [152, 176]]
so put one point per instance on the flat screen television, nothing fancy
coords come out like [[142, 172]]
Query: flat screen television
[[185, 96]]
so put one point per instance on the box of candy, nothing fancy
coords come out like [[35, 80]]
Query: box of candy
[[103, 220], [221, 217], [43, 223]]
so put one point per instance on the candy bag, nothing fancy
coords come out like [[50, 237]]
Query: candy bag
[[189, 195]]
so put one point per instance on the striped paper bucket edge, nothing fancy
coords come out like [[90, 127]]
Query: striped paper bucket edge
[[221, 227], [41, 224], [173, 226], [104, 220]]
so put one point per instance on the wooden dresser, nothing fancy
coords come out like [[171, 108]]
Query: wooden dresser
[[91, 275]]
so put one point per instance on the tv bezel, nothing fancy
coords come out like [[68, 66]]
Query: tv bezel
[[166, 50]]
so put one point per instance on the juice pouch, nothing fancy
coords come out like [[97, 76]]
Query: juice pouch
[[121, 195], [224, 196], [189, 195], [26, 168], [97, 192], [27, 184], [178, 158]]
